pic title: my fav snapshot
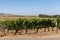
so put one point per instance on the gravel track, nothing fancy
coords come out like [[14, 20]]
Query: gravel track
[[32, 38]]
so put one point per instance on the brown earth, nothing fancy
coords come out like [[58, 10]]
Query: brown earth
[[31, 33]]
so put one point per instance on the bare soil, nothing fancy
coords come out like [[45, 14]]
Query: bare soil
[[31, 33]]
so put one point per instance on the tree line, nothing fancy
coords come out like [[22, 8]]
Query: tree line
[[48, 16]]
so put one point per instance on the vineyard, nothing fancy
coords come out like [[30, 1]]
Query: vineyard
[[30, 23]]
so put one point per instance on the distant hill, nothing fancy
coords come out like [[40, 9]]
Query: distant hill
[[2, 14], [9, 15], [40, 15]]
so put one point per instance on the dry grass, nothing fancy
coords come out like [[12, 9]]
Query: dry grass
[[13, 18]]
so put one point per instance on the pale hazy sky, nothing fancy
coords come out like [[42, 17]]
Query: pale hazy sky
[[30, 7]]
